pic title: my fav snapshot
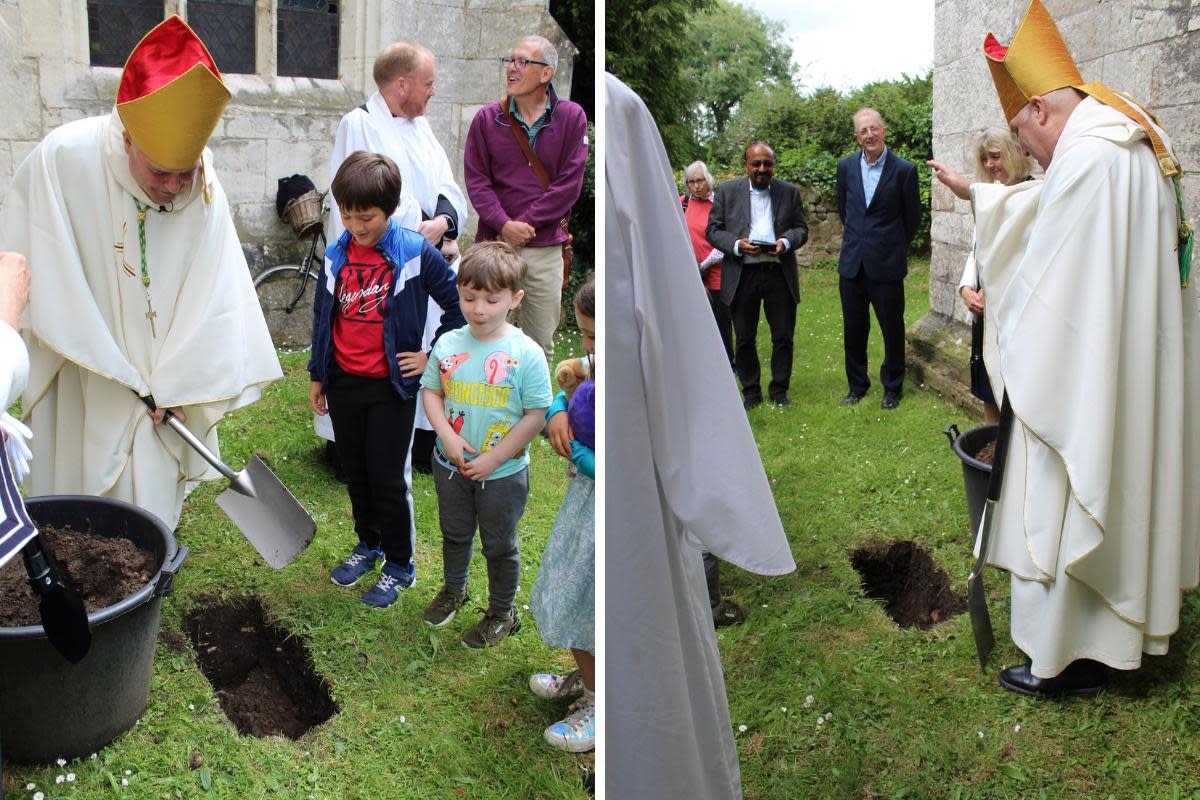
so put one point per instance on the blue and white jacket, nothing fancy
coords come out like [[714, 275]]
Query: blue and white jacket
[[418, 273]]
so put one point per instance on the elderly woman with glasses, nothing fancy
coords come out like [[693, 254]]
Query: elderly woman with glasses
[[697, 203], [999, 158]]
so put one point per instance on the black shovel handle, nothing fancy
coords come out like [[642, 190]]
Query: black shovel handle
[[1000, 458]]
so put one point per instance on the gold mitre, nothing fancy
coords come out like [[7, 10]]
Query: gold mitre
[[1037, 61], [171, 95]]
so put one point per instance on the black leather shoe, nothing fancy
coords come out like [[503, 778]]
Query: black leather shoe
[[890, 401], [851, 399], [1082, 678], [728, 613], [781, 401], [751, 402]]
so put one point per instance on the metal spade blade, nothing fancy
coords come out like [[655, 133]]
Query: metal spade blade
[[263, 509], [981, 623], [60, 605]]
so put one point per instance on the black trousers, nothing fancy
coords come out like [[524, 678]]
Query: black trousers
[[859, 295], [724, 318], [712, 577], [762, 286], [374, 430]]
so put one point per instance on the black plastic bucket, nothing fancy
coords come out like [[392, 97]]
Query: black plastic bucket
[[50, 708], [975, 473]]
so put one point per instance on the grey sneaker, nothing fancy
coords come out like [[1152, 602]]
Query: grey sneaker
[[491, 630], [444, 606]]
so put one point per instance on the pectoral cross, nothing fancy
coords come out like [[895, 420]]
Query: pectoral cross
[[150, 315]]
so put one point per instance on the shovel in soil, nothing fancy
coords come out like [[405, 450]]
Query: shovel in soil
[[981, 623], [64, 618], [257, 502]]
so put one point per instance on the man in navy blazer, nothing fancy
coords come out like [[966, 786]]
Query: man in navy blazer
[[759, 209], [880, 207]]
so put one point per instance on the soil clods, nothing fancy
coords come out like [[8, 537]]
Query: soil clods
[[104, 570], [262, 675], [914, 591]]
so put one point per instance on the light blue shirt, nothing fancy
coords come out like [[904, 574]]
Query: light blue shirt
[[871, 173], [486, 388]]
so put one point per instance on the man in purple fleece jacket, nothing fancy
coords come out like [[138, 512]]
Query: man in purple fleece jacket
[[510, 200]]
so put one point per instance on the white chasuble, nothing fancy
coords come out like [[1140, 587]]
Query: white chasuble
[[681, 471], [193, 337], [1088, 330]]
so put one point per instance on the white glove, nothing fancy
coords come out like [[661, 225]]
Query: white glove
[[16, 444]]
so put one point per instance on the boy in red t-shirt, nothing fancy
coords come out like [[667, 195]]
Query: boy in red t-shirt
[[367, 361]]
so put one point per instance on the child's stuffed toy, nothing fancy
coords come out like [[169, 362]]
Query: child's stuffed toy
[[570, 373]]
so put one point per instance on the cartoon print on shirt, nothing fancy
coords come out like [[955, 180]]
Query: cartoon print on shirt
[[448, 364], [497, 366], [495, 433], [456, 422]]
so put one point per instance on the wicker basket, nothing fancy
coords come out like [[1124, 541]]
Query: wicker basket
[[304, 212]]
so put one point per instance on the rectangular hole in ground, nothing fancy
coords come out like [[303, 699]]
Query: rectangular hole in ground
[[262, 676]]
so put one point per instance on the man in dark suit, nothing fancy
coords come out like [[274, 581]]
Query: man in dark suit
[[758, 223], [880, 207]]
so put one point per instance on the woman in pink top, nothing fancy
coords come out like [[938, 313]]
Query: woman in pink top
[[697, 203]]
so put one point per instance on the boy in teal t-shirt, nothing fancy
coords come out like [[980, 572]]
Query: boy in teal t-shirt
[[486, 392]]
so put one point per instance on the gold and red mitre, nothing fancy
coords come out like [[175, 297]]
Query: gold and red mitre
[[171, 95], [1037, 61]]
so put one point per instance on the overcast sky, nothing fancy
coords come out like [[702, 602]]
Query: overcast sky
[[848, 44]]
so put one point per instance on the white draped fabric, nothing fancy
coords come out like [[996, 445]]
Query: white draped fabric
[[683, 473], [92, 345], [1090, 333]]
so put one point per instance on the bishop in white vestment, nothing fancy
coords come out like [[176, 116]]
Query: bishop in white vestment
[[139, 285], [1096, 344]]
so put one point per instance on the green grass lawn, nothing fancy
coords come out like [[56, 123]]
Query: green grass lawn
[[912, 716], [420, 715]]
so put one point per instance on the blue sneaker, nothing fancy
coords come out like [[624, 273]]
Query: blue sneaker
[[360, 561], [392, 578]]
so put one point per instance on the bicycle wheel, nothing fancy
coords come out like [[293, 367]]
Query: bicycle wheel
[[287, 305]]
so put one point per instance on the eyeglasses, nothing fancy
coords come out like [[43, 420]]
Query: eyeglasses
[[521, 63], [868, 129], [768, 164]]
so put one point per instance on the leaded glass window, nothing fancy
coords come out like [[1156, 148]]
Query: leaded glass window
[[308, 38], [115, 26], [227, 29]]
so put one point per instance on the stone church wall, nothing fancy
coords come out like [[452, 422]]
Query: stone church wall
[[274, 126]]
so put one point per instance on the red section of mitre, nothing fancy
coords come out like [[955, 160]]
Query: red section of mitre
[[993, 49], [163, 54]]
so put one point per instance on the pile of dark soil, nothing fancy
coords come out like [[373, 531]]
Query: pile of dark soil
[[987, 453], [105, 570], [914, 591], [262, 675]]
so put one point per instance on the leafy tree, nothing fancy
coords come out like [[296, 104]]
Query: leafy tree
[[646, 46], [731, 51]]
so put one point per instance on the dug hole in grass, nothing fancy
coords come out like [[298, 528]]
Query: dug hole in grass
[[417, 715], [830, 698]]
